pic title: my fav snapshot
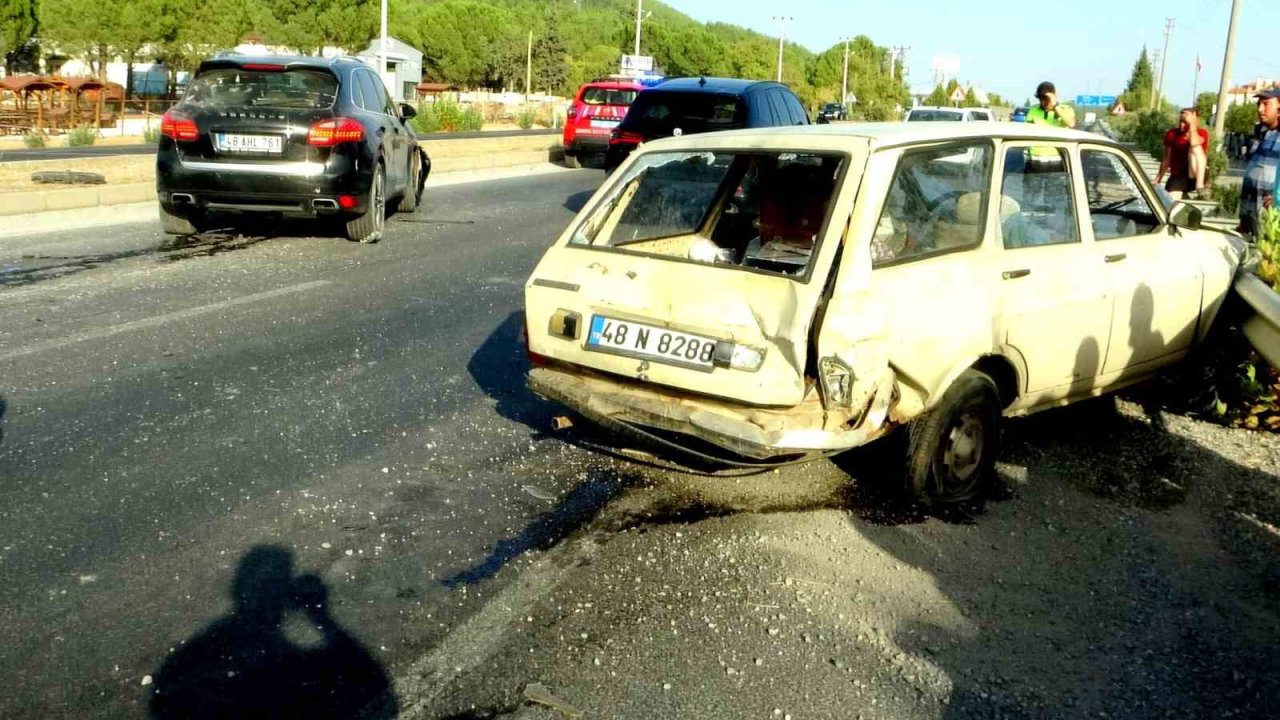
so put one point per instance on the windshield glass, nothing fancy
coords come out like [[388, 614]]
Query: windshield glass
[[299, 88], [934, 116], [759, 210]]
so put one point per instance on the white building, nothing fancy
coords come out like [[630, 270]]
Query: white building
[[404, 67]]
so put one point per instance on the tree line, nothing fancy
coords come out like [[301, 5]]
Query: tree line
[[469, 43]]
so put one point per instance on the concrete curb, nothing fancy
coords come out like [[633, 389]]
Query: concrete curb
[[510, 152]]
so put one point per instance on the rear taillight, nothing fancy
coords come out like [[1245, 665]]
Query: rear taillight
[[337, 131], [573, 113], [622, 136], [179, 127]]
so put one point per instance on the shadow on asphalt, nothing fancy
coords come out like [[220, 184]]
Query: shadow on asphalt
[[578, 200], [1125, 580], [574, 511], [498, 367], [3, 406], [253, 663]]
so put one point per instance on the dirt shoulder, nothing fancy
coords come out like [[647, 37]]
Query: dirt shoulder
[[1128, 568], [116, 170]]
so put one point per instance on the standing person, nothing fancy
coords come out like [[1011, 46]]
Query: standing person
[[1185, 155], [1257, 191], [1049, 112]]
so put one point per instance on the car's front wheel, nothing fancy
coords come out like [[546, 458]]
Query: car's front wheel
[[368, 227], [413, 191], [952, 449]]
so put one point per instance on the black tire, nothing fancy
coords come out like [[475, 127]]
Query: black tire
[[573, 162], [952, 450], [368, 227], [412, 193], [175, 224]]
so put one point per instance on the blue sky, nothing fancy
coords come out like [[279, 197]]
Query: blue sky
[[1083, 46]]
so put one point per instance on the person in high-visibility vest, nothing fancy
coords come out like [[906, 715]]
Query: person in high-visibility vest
[[1049, 112]]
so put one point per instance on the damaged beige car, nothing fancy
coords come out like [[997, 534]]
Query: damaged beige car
[[790, 293]]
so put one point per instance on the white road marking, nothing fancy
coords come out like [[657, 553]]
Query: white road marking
[[157, 321]]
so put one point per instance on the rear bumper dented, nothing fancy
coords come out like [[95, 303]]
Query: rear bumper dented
[[756, 433]]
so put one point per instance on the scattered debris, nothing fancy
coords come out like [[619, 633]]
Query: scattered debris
[[146, 680], [561, 422], [538, 693], [68, 177], [538, 492]]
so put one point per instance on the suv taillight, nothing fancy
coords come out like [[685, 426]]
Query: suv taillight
[[573, 113], [618, 137], [337, 131], [179, 127]]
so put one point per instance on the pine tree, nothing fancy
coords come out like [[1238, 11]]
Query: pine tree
[[17, 25], [1137, 94], [938, 98]]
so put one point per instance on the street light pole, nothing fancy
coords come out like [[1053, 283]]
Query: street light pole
[[844, 77], [1164, 62], [639, 4], [782, 38], [382, 44], [1220, 118]]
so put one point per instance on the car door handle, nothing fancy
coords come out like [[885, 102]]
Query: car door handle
[[1115, 258], [1012, 274]]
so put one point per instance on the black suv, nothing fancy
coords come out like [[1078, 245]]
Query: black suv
[[287, 136], [696, 105]]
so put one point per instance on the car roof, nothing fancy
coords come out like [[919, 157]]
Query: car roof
[[612, 85], [734, 86], [289, 61], [939, 107], [877, 135]]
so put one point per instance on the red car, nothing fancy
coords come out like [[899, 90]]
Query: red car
[[596, 111]]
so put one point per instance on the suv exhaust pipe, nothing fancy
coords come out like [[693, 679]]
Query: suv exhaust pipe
[[324, 205], [182, 199]]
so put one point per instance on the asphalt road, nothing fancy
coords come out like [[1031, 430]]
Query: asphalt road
[[287, 471], [70, 153], [179, 414]]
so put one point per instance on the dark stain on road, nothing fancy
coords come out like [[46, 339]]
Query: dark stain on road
[[574, 511], [246, 666]]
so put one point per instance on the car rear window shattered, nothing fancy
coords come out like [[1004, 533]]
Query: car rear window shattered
[[234, 87], [760, 210]]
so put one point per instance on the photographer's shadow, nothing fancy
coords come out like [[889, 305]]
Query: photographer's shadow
[[263, 661]]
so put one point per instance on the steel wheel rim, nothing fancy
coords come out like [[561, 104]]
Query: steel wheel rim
[[379, 202], [965, 445]]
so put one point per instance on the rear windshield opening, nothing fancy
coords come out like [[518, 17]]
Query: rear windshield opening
[[233, 87], [759, 210], [934, 116], [604, 96], [660, 114]]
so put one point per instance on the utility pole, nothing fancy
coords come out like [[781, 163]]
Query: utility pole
[[528, 68], [1164, 61], [1220, 117], [900, 53], [382, 46], [782, 39], [1156, 60], [639, 5], [844, 76]]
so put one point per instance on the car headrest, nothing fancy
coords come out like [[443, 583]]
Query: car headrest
[[969, 208]]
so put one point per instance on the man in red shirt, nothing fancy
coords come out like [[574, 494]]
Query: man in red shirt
[[1185, 155]]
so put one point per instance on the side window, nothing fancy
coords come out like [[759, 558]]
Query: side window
[[936, 203], [798, 115], [1036, 207], [375, 96], [1117, 208], [778, 107], [357, 96]]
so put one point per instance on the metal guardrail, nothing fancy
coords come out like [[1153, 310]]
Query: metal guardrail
[[1263, 327]]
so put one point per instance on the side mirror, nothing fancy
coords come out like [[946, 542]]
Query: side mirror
[[1185, 215], [407, 111]]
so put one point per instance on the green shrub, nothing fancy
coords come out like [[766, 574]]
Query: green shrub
[[1146, 129], [1216, 165], [1267, 237], [525, 119], [1228, 196], [33, 139], [151, 135], [446, 116], [82, 136]]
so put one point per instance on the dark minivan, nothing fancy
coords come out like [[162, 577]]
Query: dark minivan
[[682, 106], [281, 136]]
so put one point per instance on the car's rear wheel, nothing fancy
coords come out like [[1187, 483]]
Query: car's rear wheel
[[573, 162], [952, 450], [412, 193], [368, 227], [174, 224]]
